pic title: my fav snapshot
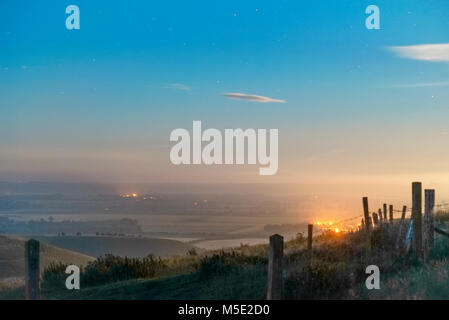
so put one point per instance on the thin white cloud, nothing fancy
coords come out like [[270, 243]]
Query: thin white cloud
[[422, 85], [427, 52], [177, 86], [252, 97]]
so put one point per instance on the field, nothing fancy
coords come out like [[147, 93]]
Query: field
[[12, 256], [337, 271], [121, 246]]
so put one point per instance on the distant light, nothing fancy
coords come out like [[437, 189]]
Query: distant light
[[135, 195], [337, 230], [330, 223]]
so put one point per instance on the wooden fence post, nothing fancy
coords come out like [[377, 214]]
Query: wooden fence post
[[385, 212], [370, 222], [379, 213], [375, 219], [32, 270], [417, 219], [429, 223], [275, 255], [399, 236], [366, 214], [391, 213], [309, 239], [404, 210]]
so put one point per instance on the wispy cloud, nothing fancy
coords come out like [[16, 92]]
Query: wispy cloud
[[426, 52], [252, 97], [177, 86], [422, 85]]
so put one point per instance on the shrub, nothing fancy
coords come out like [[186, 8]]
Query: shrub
[[113, 268], [318, 281], [109, 268], [54, 273], [211, 266]]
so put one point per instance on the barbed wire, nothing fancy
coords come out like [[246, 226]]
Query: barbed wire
[[408, 210], [348, 219]]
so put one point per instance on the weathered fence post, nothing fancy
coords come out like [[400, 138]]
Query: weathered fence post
[[391, 213], [429, 223], [379, 213], [275, 255], [32, 271], [399, 236], [370, 222], [366, 214], [375, 219], [417, 219], [404, 210], [309, 239], [385, 212]]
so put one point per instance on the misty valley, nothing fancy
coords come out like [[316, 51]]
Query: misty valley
[[137, 223]]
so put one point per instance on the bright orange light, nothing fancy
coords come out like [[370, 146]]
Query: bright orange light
[[135, 195], [318, 223], [337, 230], [330, 223]]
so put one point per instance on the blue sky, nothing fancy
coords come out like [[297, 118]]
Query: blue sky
[[112, 91]]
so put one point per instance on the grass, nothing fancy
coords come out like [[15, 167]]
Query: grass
[[428, 280], [12, 257], [96, 246], [337, 271], [244, 283]]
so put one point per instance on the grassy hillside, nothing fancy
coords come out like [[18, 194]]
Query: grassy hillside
[[121, 246], [12, 256], [337, 271]]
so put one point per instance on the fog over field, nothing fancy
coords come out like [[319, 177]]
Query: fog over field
[[74, 215]]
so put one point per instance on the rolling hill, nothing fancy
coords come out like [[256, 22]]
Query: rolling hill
[[121, 246], [12, 256]]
